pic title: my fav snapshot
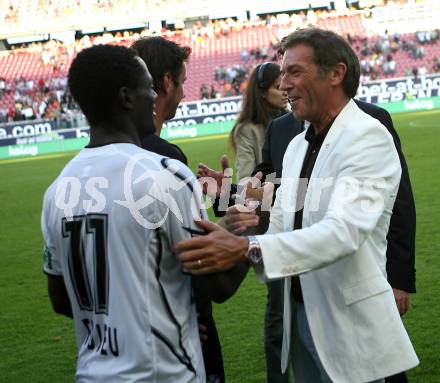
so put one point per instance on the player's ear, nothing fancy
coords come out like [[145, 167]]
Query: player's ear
[[167, 82], [126, 97]]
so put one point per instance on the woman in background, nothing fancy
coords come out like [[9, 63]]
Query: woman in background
[[262, 102]]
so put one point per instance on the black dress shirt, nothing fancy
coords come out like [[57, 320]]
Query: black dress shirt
[[315, 141]]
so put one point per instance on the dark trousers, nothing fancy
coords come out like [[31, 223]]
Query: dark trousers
[[273, 336], [273, 332], [212, 353], [399, 378]]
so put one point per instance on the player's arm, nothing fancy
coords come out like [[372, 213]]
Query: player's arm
[[58, 295], [52, 266], [219, 287]]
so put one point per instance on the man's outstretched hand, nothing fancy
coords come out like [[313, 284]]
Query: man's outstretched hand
[[205, 172], [216, 251]]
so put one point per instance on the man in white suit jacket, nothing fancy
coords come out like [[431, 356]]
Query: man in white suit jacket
[[331, 230]]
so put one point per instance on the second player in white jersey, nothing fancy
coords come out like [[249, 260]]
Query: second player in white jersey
[[110, 222]]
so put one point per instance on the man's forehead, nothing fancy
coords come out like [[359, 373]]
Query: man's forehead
[[297, 54]]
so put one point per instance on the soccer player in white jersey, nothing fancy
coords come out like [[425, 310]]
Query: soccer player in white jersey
[[110, 222]]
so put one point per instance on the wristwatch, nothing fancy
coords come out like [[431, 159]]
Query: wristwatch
[[253, 254]]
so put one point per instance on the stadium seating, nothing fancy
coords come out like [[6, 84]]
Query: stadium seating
[[208, 53]]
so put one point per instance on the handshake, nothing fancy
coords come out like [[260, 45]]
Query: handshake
[[241, 202], [224, 246]]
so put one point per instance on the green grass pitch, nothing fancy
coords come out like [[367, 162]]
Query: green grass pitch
[[36, 345]]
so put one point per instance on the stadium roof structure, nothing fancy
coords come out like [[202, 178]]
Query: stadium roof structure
[[35, 17]]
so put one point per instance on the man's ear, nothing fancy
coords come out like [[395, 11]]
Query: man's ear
[[337, 74], [167, 82], [126, 97]]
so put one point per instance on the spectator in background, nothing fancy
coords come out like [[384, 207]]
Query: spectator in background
[[3, 114], [415, 72], [2, 86], [213, 93], [204, 94], [436, 64], [20, 84], [389, 65], [18, 114], [244, 56], [231, 73], [220, 73], [392, 66], [8, 87], [365, 66], [365, 51], [56, 82], [41, 85], [42, 109], [258, 53], [227, 89], [11, 113], [236, 86], [385, 68], [28, 112], [417, 51], [232, 83], [30, 86]]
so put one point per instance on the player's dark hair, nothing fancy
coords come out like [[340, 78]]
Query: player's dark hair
[[329, 49], [96, 76], [162, 56]]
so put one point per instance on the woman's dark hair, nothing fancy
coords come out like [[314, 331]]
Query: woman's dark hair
[[96, 76], [255, 108]]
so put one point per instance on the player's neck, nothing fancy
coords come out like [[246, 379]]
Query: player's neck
[[158, 123], [105, 134], [160, 115]]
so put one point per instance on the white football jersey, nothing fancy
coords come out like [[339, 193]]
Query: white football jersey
[[110, 223]]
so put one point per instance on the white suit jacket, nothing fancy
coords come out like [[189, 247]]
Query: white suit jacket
[[340, 251]]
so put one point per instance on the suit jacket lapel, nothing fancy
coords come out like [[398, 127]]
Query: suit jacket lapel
[[341, 121], [290, 178]]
